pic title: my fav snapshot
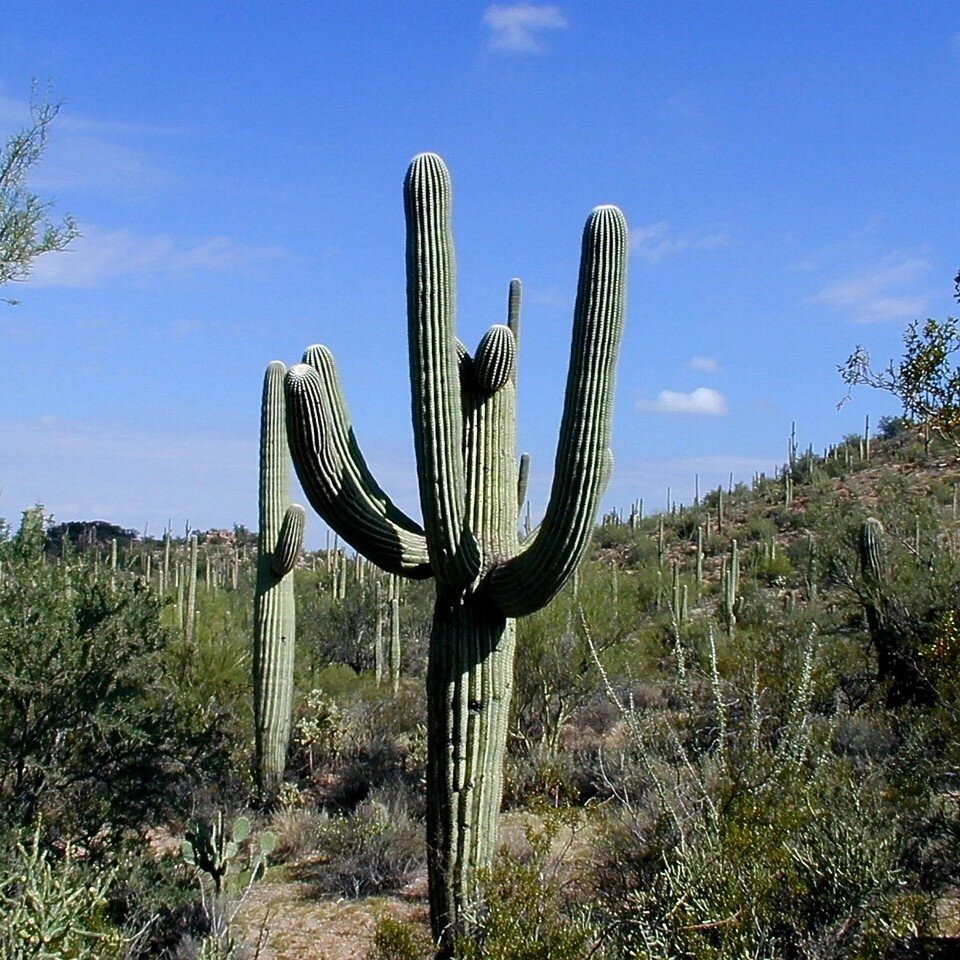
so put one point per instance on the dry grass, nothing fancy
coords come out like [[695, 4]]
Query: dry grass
[[297, 926]]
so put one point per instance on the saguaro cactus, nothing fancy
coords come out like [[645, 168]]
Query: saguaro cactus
[[872, 559], [274, 621], [464, 421]]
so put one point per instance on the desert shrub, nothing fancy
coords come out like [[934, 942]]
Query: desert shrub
[[375, 849], [772, 569], [95, 734], [401, 940], [757, 527], [353, 738], [527, 910], [890, 427], [613, 536], [742, 834], [915, 637], [295, 827], [341, 631], [56, 907], [153, 895]]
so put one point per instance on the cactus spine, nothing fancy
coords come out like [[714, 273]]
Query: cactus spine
[[279, 542], [464, 422]]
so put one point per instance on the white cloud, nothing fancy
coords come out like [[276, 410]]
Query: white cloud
[[883, 293], [517, 27], [99, 255], [707, 364], [703, 401], [657, 241]]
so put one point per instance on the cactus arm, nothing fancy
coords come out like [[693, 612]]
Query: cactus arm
[[274, 612], [435, 383], [289, 540], [533, 577], [523, 478], [335, 476], [408, 532], [513, 317]]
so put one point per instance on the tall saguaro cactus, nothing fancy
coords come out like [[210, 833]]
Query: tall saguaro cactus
[[464, 420], [274, 621]]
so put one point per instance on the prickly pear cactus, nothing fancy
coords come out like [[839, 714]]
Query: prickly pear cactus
[[212, 848], [464, 421], [280, 540]]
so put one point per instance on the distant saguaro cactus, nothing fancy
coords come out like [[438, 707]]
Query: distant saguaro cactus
[[274, 619], [464, 421], [898, 662]]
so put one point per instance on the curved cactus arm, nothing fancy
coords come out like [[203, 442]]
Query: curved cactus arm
[[434, 375], [289, 540], [335, 476], [534, 576]]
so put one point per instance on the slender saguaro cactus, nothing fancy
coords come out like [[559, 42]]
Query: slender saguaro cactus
[[464, 421], [190, 618], [274, 627]]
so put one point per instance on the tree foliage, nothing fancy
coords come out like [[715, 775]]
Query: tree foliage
[[924, 380], [94, 732], [26, 231]]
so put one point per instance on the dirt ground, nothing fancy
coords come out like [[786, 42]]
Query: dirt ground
[[289, 923]]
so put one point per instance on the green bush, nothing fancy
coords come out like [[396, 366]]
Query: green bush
[[97, 733], [743, 835], [56, 908], [527, 911], [400, 940]]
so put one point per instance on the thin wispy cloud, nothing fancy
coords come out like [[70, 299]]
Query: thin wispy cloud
[[100, 255], [88, 162], [706, 364], [658, 241], [703, 402], [84, 153], [14, 112], [883, 293], [520, 27]]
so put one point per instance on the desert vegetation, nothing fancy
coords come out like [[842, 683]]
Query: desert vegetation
[[732, 734], [725, 730]]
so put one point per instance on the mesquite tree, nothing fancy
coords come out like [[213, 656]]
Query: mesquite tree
[[464, 418]]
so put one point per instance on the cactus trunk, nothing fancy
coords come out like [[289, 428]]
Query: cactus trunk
[[280, 539], [469, 683], [464, 424]]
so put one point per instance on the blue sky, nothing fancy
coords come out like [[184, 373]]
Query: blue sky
[[788, 172]]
